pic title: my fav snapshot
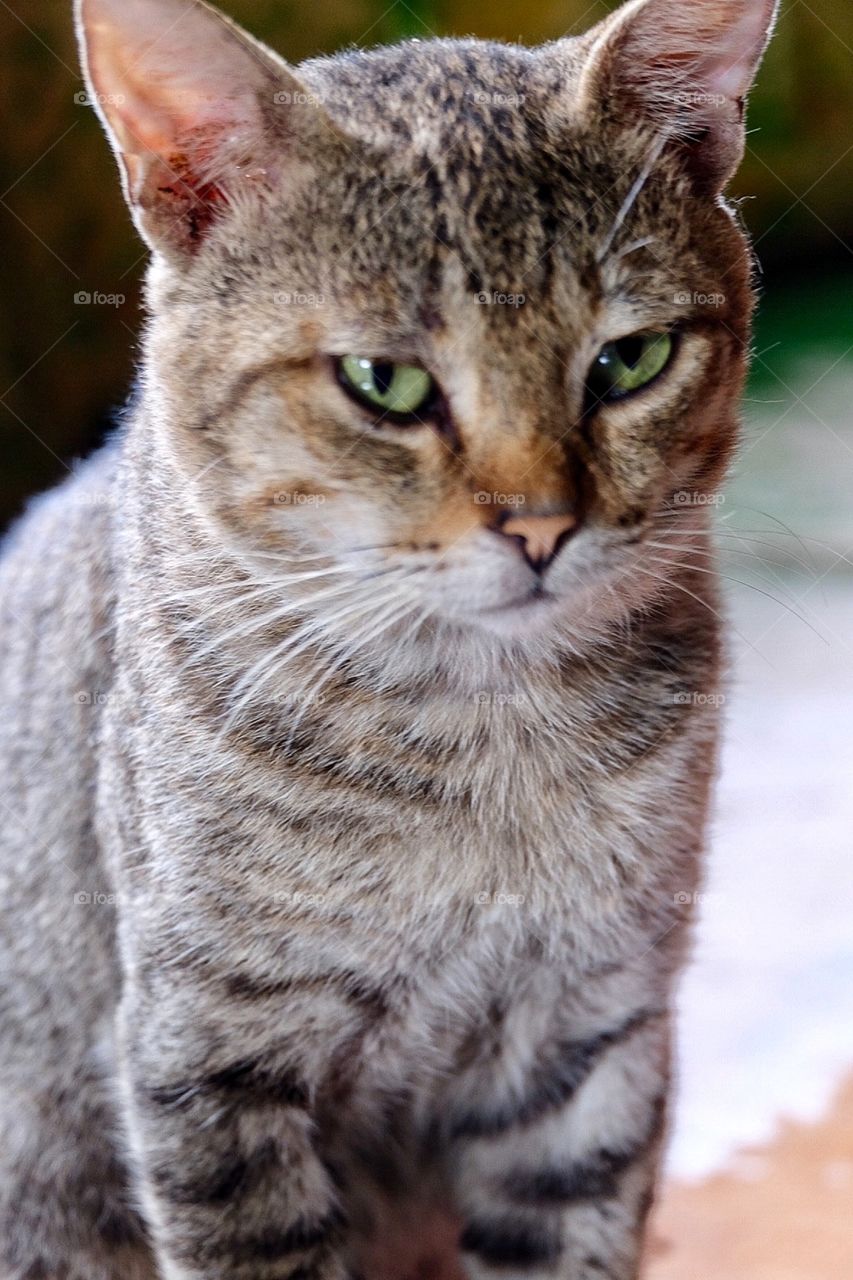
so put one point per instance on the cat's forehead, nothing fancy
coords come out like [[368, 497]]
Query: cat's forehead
[[432, 94], [464, 178], [470, 146]]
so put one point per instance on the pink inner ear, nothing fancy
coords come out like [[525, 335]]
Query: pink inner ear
[[182, 91], [730, 69], [178, 144], [150, 113], [710, 46], [174, 78]]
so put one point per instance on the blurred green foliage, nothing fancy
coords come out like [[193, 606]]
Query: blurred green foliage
[[66, 365]]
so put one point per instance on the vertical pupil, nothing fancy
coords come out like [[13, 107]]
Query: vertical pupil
[[631, 350], [383, 376]]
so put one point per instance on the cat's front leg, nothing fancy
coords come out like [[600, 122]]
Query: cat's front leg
[[223, 1143], [555, 1166]]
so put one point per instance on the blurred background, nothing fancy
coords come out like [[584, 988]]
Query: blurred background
[[762, 1155]]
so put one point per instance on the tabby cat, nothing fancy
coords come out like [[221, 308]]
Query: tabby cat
[[359, 699]]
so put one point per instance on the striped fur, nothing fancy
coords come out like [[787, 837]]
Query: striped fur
[[345, 897]]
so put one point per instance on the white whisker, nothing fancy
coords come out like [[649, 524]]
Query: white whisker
[[716, 552], [632, 196], [695, 568], [386, 620], [634, 247], [310, 632], [679, 586], [249, 626]]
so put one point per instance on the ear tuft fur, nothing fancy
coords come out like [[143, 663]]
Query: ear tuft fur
[[687, 67], [195, 109]]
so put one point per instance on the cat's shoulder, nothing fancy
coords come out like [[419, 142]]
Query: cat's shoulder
[[61, 542]]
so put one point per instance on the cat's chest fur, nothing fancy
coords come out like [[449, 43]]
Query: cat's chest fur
[[390, 826], [396, 812]]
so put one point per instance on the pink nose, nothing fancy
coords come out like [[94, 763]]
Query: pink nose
[[539, 537]]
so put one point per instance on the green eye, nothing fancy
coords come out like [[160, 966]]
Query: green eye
[[384, 385], [629, 364]]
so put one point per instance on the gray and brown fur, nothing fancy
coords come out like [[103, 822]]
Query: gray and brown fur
[[342, 913]]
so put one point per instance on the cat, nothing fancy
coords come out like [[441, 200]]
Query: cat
[[360, 712]]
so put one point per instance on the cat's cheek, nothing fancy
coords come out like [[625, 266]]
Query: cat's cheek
[[640, 452], [325, 520]]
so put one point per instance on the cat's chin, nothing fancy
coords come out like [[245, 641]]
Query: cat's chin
[[526, 611], [542, 619], [533, 614]]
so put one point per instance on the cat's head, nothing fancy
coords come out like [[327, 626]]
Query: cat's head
[[466, 317]]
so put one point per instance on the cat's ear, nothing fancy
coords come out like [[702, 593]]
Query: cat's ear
[[687, 66], [196, 110]]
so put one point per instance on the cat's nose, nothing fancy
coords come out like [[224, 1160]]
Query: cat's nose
[[540, 538]]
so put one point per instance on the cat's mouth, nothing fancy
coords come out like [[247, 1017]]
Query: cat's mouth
[[520, 611], [532, 599]]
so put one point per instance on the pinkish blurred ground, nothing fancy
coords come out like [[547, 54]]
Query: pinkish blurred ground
[[783, 1211]]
